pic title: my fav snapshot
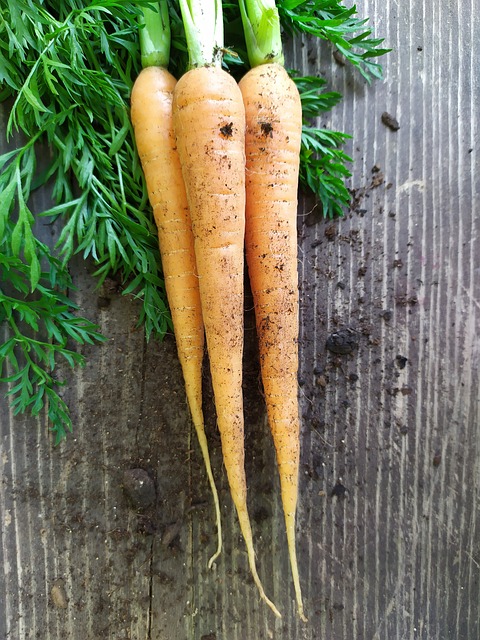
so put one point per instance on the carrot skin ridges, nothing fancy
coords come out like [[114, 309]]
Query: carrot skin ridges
[[273, 138], [151, 114], [209, 124]]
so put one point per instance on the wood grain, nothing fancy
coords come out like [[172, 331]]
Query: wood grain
[[388, 522]]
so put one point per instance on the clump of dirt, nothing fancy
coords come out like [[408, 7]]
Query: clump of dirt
[[227, 130], [139, 488], [339, 58], [58, 594], [330, 232], [390, 121], [343, 341], [437, 459], [171, 532], [339, 491], [358, 195], [267, 129]]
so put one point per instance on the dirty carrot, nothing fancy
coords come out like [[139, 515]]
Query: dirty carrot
[[273, 138], [209, 124], [151, 114]]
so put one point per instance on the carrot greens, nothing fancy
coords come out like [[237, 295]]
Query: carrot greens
[[37, 335], [66, 70], [332, 21]]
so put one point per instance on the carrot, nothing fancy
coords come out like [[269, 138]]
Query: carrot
[[151, 114], [209, 124], [273, 138]]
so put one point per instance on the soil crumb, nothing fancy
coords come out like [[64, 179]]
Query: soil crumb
[[342, 342], [390, 121], [139, 488]]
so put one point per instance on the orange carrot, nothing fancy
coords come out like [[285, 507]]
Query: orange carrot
[[151, 114], [209, 124], [273, 137]]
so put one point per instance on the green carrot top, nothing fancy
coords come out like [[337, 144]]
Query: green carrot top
[[261, 26], [203, 23], [155, 35]]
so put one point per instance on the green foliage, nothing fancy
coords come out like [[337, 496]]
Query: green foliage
[[323, 163], [71, 68], [330, 20], [39, 330], [315, 100], [66, 69], [323, 168]]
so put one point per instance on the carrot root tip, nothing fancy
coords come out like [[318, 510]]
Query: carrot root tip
[[302, 615], [263, 595], [214, 557]]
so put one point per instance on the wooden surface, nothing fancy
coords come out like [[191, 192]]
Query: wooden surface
[[388, 520]]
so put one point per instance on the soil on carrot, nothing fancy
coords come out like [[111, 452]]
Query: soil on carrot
[[267, 129], [227, 130]]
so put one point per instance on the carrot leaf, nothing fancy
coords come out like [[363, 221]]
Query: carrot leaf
[[323, 168], [66, 69], [330, 20], [39, 332], [323, 163]]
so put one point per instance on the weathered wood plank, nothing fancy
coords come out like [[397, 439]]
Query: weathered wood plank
[[393, 550], [388, 521]]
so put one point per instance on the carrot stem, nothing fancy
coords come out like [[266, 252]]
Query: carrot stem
[[155, 35], [203, 23], [261, 26]]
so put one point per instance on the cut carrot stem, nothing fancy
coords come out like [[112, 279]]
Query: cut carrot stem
[[151, 114], [273, 138], [209, 124]]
